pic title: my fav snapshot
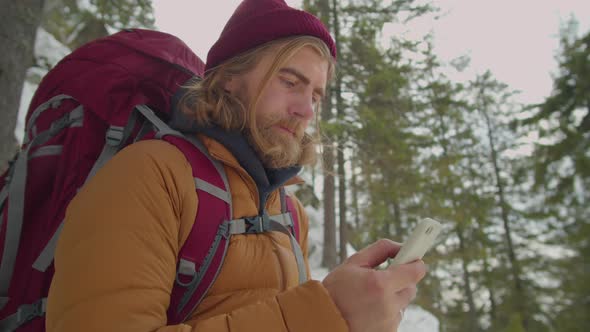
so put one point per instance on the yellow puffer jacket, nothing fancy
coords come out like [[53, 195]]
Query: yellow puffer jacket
[[116, 258]]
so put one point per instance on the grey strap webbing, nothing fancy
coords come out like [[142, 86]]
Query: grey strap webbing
[[161, 127], [287, 222], [145, 128], [49, 150], [25, 313], [221, 229], [302, 270], [46, 257], [284, 219], [218, 166], [3, 195], [213, 190], [239, 226], [115, 137], [16, 192], [51, 103], [222, 232]]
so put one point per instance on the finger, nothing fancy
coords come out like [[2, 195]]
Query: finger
[[406, 296], [406, 275], [375, 254]]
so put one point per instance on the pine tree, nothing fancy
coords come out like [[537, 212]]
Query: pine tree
[[491, 95], [447, 195], [561, 175]]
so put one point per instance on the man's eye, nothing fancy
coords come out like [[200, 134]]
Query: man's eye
[[287, 83]]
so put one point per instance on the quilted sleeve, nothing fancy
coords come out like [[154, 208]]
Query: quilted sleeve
[[116, 257], [306, 308]]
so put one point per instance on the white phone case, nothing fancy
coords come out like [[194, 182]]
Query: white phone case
[[419, 242]]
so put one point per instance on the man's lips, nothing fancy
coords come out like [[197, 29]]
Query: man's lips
[[292, 132]]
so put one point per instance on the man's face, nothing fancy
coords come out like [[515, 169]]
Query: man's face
[[286, 105]]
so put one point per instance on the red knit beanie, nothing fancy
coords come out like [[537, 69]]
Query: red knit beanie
[[256, 22]]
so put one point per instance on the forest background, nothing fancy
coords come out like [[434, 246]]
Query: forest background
[[405, 139]]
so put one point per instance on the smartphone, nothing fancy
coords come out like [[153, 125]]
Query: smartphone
[[421, 239]]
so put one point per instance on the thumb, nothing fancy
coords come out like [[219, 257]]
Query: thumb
[[374, 254]]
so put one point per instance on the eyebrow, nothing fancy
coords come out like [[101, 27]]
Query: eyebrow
[[302, 78]]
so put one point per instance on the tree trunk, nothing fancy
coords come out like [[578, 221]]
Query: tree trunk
[[321, 8], [489, 280], [520, 296], [329, 253], [18, 29], [398, 229], [340, 149], [355, 197], [342, 206], [472, 320]]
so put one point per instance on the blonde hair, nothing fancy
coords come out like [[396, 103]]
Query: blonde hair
[[208, 102]]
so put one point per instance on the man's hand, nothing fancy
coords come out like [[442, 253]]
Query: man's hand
[[371, 300]]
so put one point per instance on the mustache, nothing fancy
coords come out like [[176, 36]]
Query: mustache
[[292, 125]]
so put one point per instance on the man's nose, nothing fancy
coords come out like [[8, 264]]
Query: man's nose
[[303, 108]]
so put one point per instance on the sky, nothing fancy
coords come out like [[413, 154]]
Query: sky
[[516, 39]]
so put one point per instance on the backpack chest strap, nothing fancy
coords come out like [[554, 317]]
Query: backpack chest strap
[[279, 223], [260, 224]]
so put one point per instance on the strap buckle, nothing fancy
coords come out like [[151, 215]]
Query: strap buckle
[[114, 135], [257, 224], [27, 312]]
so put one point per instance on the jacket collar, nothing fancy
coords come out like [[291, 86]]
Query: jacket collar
[[233, 149]]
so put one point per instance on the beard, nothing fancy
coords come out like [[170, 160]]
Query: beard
[[276, 147], [280, 142]]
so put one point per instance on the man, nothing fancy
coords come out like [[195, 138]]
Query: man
[[116, 257]]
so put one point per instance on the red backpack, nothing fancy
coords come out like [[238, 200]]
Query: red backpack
[[102, 97]]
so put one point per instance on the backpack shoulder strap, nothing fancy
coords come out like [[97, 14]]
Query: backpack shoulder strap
[[288, 206], [201, 257]]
